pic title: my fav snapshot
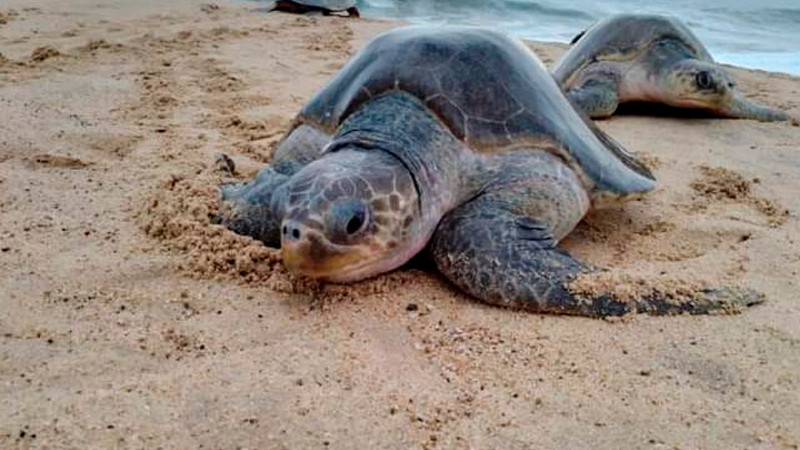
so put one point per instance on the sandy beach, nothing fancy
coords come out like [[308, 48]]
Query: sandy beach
[[127, 320]]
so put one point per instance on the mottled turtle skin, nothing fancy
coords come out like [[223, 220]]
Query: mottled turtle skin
[[321, 6], [450, 139], [650, 58]]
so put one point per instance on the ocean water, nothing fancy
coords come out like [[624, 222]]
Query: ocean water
[[760, 34]]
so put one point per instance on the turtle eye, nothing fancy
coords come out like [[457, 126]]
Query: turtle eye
[[703, 80], [355, 222], [347, 219]]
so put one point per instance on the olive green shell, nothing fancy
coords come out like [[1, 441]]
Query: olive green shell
[[623, 38], [488, 89]]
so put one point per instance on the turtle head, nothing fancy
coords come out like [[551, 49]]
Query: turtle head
[[349, 215], [704, 85]]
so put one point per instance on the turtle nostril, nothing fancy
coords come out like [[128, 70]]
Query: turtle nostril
[[291, 231]]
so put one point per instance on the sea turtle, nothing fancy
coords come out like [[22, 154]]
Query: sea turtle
[[650, 58], [451, 138], [321, 6]]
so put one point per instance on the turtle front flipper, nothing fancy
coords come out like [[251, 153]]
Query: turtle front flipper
[[512, 261], [252, 208], [741, 108], [246, 208], [506, 260], [596, 98], [500, 247]]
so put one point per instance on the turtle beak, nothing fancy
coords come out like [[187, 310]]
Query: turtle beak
[[306, 252], [296, 248], [742, 108]]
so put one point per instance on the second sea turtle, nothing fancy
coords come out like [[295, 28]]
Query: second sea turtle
[[650, 58]]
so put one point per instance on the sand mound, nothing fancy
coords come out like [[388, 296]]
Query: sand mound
[[720, 183], [44, 53], [179, 215]]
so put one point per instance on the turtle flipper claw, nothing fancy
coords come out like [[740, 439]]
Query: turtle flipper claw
[[726, 300], [224, 163]]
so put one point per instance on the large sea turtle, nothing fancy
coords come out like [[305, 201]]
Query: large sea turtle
[[650, 58], [456, 139], [321, 6]]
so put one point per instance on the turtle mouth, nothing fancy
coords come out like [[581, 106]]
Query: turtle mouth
[[316, 257], [697, 102]]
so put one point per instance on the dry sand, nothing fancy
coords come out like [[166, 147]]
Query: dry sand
[[127, 321]]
